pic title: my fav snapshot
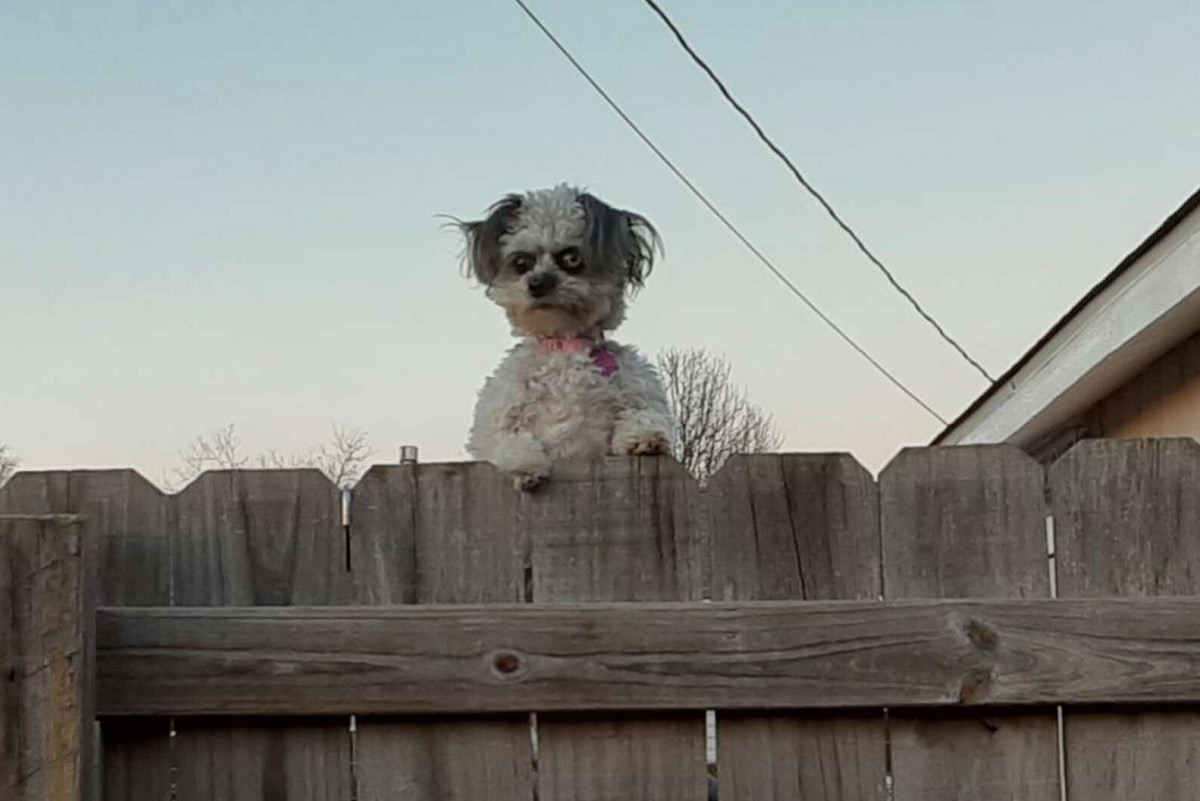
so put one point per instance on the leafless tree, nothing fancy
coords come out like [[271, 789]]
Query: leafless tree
[[715, 417], [8, 463], [343, 457]]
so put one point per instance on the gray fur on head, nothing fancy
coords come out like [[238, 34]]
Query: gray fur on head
[[619, 237], [612, 237], [560, 261], [482, 258]]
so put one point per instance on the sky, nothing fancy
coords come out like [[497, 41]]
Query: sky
[[227, 213]]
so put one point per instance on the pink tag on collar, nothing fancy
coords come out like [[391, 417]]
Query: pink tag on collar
[[602, 357], [604, 360]]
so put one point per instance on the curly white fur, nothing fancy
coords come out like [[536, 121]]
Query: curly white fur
[[541, 407], [546, 404]]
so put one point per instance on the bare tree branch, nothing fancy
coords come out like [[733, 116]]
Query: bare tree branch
[[714, 417], [219, 449], [343, 458], [8, 463]]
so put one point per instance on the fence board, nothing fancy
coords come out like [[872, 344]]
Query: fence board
[[445, 534], [269, 538], [958, 523], [755, 656], [128, 521], [1127, 523], [46, 701], [619, 530], [802, 527]]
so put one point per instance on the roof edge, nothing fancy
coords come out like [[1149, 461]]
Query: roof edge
[[1165, 227]]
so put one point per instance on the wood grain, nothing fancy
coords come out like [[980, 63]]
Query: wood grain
[[753, 655], [447, 534], [796, 527], [618, 530], [1127, 522], [46, 700], [958, 523], [129, 524], [270, 537]]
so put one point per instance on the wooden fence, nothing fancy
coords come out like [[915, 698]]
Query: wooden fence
[[445, 638]]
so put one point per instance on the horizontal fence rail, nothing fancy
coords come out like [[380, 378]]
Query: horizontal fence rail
[[612, 657]]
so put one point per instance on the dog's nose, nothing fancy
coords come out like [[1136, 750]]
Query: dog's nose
[[542, 284]]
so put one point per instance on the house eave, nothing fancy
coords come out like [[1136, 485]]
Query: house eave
[[1148, 304]]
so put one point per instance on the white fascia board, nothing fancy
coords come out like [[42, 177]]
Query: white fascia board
[[1148, 309]]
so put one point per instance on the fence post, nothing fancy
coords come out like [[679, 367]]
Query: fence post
[[47, 654]]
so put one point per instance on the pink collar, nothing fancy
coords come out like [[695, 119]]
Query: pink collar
[[602, 357]]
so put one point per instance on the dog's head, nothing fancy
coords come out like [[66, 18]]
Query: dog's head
[[560, 262]]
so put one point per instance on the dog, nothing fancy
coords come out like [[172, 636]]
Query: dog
[[562, 264]]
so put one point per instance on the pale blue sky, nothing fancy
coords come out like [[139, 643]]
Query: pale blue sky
[[225, 212]]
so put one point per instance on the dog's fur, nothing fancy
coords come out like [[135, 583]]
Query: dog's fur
[[545, 404]]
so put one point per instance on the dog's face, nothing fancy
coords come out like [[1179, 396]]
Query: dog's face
[[560, 262]]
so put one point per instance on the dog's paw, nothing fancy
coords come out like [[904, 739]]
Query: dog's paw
[[523, 459], [649, 444]]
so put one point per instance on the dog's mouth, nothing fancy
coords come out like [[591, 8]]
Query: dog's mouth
[[549, 319]]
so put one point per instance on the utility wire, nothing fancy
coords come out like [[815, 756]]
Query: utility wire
[[725, 220], [812, 191]]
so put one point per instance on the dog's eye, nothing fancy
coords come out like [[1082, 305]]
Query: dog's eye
[[522, 263], [570, 260]]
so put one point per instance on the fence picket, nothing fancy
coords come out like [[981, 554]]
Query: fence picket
[[968, 522], [270, 538], [447, 534], [1127, 523], [797, 527], [619, 530], [127, 517]]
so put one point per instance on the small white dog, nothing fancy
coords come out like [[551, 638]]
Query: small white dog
[[561, 263]]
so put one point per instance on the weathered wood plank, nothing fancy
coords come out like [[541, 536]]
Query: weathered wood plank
[[233, 762], [1127, 523], [577, 657], [958, 523], [447, 534], [128, 519], [260, 537], [137, 759], [783, 757], [46, 700], [432, 761], [797, 527], [619, 530], [270, 537]]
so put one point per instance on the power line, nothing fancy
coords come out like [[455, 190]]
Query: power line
[[812, 191], [725, 220]]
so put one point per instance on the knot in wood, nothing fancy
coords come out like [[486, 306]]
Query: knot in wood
[[506, 663], [981, 635], [974, 686]]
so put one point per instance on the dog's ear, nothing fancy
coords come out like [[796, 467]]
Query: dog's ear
[[482, 257], [620, 239]]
